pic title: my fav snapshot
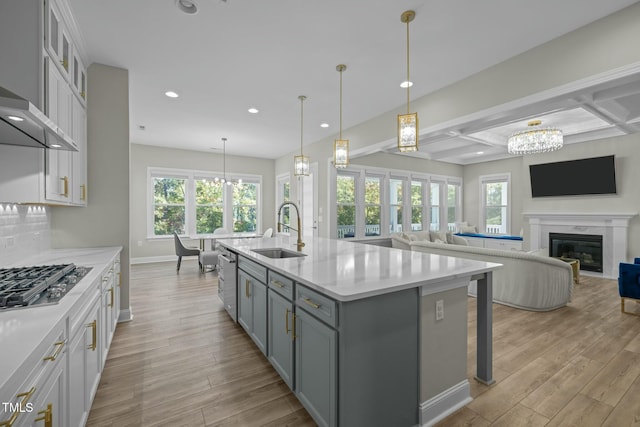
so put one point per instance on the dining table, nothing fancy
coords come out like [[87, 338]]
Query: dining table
[[213, 237]]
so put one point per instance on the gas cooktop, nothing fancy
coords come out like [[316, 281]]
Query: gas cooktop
[[40, 285]]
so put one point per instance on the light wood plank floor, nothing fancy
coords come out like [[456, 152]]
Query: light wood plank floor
[[182, 362]]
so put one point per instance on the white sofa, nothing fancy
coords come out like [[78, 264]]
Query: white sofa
[[527, 281]]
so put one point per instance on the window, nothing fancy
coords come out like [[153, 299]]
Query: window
[[435, 205], [209, 205], [194, 203], [417, 205], [395, 205], [346, 205], [283, 194], [453, 206], [495, 213], [245, 207], [169, 205], [373, 207]]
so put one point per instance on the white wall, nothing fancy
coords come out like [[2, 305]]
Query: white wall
[[145, 156]]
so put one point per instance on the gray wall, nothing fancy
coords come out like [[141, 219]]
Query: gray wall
[[105, 220], [145, 156]]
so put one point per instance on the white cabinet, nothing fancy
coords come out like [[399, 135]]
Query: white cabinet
[[493, 243], [79, 158], [109, 316]]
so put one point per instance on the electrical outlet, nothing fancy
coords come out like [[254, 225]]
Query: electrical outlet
[[439, 309]]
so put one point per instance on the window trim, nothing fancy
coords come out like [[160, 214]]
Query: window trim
[[489, 179]]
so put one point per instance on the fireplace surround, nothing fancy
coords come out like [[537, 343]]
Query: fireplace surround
[[587, 248]]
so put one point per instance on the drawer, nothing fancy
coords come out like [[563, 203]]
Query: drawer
[[318, 305], [253, 268], [281, 284]]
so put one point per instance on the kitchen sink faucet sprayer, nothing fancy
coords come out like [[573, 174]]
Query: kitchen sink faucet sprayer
[[299, 243]]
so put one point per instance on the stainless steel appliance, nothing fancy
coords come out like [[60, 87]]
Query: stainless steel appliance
[[21, 123], [227, 283], [40, 285]]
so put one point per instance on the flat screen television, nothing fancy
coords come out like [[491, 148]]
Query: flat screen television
[[596, 175]]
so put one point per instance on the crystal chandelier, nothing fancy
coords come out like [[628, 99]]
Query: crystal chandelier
[[408, 123], [301, 162], [535, 140], [341, 146]]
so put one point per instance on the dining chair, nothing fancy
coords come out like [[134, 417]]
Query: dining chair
[[182, 250], [210, 258], [268, 233]]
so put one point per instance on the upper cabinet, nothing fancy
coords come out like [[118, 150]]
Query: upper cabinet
[[46, 65]]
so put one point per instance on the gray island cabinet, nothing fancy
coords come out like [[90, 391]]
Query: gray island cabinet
[[346, 332]]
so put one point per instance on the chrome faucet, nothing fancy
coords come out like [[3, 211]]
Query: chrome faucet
[[299, 243]]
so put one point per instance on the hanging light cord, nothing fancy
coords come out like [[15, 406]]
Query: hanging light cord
[[341, 103], [224, 158], [408, 80], [302, 98]]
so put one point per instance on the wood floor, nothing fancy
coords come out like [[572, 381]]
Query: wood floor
[[182, 362]]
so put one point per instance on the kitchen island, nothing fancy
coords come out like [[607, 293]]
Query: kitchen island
[[363, 334]]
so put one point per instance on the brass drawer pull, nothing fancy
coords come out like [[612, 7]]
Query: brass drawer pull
[[246, 288], [46, 416], [286, 321], [293, 327], [94, 333], [119, 279], [83, 192], [111, 291], [278, 283], [59, 345], [25, 399], [311, 303]]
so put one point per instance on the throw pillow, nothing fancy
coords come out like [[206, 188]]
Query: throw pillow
[[441, 235], [449, 237], [440, 241], [412, 238], [468, 229]]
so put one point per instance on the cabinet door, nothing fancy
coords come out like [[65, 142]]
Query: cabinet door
[[49, 410], [77, 381], [79, 158], [245, 309], [259, 303], [316, 368], [280, 335]]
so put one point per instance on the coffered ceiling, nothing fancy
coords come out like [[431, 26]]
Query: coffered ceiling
[[237, 54]]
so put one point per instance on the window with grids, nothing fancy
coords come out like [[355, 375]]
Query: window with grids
[[283, 194], [169, 205], [495, 204], [245, 206], [417, 205], [395, 204], [372, 206], [346, 205], [453, 205], [435, 205], [209, 205]]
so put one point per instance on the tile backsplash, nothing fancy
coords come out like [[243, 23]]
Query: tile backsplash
[[24, 231]]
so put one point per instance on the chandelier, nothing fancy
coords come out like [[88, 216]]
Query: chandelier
[[535, 140], [224, 179], [408, 123], [301, 162], [341, 146]]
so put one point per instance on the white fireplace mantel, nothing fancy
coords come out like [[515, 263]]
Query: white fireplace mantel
[[612, 226]]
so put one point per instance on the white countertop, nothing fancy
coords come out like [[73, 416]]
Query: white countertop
[[347, 271], [22, 330]]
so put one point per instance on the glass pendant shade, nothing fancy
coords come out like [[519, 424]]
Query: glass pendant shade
[[535, 140], [341, 153], [301, 165], [408, 132]]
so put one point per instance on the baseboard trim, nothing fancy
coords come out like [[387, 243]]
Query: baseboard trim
[[152, 259], [126, 315], [444, 404]]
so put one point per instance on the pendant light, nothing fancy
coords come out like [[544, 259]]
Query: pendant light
[[408, 123], [341, 146], [301, 162], [224, 166]]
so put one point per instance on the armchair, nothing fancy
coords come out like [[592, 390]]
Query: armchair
[[182, 250], [629, 284]]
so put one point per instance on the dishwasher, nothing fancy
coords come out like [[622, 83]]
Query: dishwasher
[[227, 283]]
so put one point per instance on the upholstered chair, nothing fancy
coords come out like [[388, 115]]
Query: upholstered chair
[[182, 250], [629, 284]]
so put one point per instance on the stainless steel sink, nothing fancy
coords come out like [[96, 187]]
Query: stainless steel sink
[[278, 253]]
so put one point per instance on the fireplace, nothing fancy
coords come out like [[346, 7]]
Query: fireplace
[[584, 247]]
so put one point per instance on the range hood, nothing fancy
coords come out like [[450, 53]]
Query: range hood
[[21, 123]]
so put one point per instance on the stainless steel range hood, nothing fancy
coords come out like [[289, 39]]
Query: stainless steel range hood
[[21, 123]]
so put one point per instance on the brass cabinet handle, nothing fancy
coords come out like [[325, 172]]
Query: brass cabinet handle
[[246, 288], [293, 326], [119, 279], [25, 399], [278, 283], [94, 334], [46, 416], [59, 345], [83, 192], [311, 303], [111, 291], [286, 321], [65, 186]]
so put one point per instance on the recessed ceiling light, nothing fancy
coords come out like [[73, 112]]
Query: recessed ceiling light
[[324, 125], [171, 94], [56, 145], [253, 110], [406, 84], [187, 6], [142, 127], [480, 152], [15, 118]]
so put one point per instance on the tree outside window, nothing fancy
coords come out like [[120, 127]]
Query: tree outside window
[[346, 209], [416, 206], [453, 197], [395, 205], [169, 205], [373, 209], [434, 197], [496, 203], [209, 205], [245, 207]]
